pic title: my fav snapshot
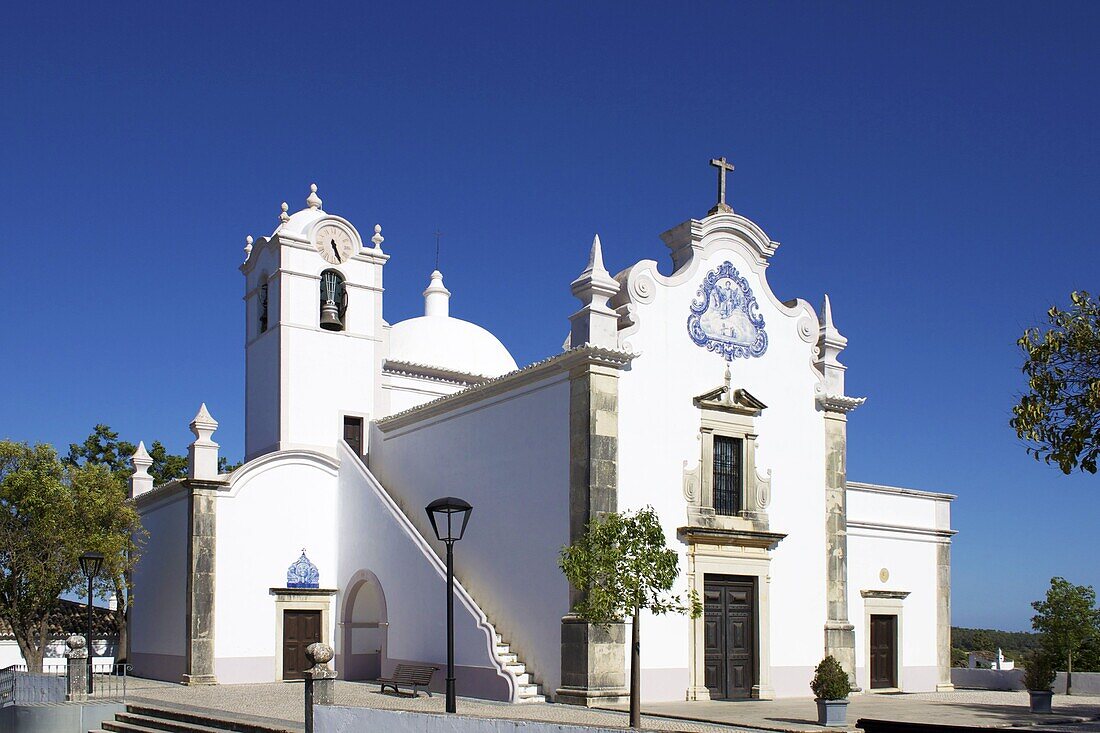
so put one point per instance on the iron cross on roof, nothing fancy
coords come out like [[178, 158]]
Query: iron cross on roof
[[721, 207]]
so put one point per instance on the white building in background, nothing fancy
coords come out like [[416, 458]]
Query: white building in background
[[698, 392]]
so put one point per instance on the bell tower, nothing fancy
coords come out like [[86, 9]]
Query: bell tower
[[313, 330]]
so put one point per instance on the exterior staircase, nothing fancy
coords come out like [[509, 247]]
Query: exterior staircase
[[527, 689], [146, 719]]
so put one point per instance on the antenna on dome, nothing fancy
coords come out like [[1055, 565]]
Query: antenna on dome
[[438, 234]]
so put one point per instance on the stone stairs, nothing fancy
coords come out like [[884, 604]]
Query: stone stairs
[[527, 689], [146, 719]]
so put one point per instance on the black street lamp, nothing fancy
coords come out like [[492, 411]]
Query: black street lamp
[[90, 563], [449, 517]]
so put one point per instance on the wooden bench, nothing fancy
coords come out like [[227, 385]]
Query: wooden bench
[[409, 675]]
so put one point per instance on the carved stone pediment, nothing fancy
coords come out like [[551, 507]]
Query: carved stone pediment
[[727, 399], [729, 537]]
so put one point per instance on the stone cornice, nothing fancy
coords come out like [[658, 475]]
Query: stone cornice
[[839, 403], [304, 591], [902, 529], [432, 373], [175, 487], [898, 491], [899, 595], [731, 537], [561, 363]]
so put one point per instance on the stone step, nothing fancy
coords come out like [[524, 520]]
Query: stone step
[[509, 658], [524, 679], [497, 638], [167, 724], [113, 726], [517, 669], [530, 699], [198, 721], [503, 649], [527, 690]]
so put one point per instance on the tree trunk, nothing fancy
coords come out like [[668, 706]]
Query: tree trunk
[[33, 649], [636, 671], [1069, 674]]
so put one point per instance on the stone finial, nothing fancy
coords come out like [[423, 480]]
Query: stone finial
[[830, 343], [313, 201], [248, 247], [202, 454], [437, 297], [595, 323], [378, 238], [140, 481], [284, 215], [319, 654], [77, 644]]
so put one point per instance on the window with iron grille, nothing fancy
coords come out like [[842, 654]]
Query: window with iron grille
[[727, 475]]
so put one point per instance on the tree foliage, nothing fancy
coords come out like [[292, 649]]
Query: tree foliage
[[621, 565], [1060, 416], [830, 681], [103, 447], [52, 511], [1067, 620]]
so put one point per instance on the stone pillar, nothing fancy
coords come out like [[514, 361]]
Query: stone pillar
[[77, 668], [320, 680], [593, 667], [943, 617], [201, 546], [840, 636]]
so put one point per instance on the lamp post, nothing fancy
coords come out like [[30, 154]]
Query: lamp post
[[449, 517], [90, 563]]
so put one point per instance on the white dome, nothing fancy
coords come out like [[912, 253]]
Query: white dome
[[450, 343], [435, 339]]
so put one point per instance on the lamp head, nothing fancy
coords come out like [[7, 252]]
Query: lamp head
[[90, 564], [449, 517]]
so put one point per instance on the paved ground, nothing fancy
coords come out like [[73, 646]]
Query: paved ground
[[963, 707], [283, 702]]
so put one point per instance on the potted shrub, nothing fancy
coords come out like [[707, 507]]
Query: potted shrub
[[831, 687], [1039, 676]]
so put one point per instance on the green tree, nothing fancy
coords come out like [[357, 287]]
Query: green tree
[[1059, 417], [622, 566], [1067, 619], [103, 447], [51, 511]]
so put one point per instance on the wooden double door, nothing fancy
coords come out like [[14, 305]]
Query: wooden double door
[[884, 651], [300, 629], [729, 636]]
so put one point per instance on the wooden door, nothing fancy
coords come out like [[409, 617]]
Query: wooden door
[[884, 651], [729, 636], [353, 433], [300, 629]]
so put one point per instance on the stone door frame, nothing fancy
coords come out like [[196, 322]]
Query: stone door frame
[[301, 599], [883, 603]]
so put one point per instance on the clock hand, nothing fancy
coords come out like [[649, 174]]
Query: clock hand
[[335, 251]]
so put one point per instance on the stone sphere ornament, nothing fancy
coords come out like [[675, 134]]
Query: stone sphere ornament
[[319, 653], [76, 641]]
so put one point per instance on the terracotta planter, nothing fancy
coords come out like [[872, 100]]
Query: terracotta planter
[[832, 713], [1040, 700]]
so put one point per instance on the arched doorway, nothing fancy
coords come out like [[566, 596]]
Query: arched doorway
[[364, 624]]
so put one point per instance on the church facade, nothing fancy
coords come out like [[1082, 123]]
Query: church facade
[[697, 392]]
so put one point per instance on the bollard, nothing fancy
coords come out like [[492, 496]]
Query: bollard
[[77, 668], [320, 680]]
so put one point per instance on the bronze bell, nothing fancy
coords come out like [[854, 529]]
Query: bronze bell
[[330, 317]]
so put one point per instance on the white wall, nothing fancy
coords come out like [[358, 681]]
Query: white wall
[[381, 540], [509, 457], [158, 617], [276, 505], [659, 438], [897, 531]]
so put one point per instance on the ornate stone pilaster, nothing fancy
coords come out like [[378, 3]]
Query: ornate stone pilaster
[[201, 547], [840, 637], [943, 617], [592, 657]]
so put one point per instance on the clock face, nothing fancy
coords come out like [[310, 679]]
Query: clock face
[[334, 244]]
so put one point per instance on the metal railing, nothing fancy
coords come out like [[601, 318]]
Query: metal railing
[[18, 685], [109, 681]]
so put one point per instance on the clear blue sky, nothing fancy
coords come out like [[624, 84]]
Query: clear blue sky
[[933, 167]]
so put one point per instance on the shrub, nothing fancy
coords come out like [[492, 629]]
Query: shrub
[[1039, 672], [830, 681]]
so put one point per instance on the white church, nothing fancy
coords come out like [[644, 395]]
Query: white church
[[688, 386]]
